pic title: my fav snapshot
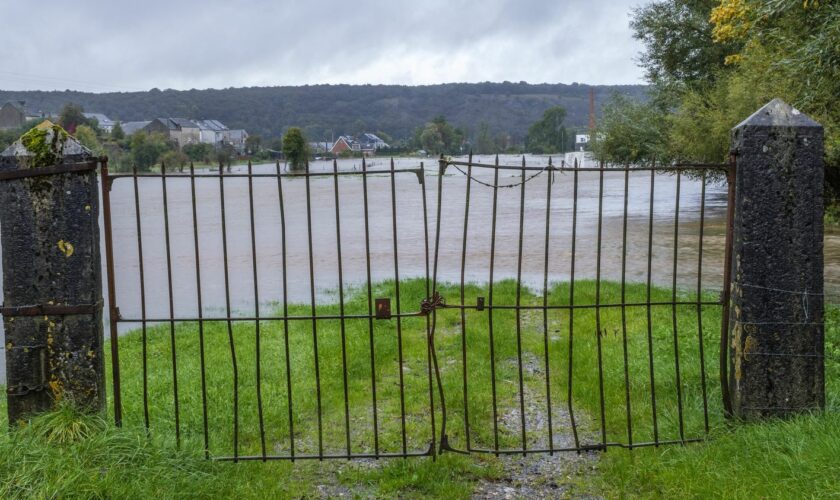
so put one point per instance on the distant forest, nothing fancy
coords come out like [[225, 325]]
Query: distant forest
[[324, 111]]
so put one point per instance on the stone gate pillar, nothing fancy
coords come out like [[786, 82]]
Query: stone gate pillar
[[52, 295], [776, 315]]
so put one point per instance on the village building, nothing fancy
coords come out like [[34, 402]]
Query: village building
[[130, 128], [184, 132], [344, 143], [366, 144], [105, 124], [237, 138], [373, 140], [211, 131], [581, 142], [14, 114], [181, 130], [218, 134]]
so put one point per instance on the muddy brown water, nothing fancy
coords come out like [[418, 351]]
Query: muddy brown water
[[411, 235]]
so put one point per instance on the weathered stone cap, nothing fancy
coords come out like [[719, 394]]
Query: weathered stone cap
[[46, 144], [778, 113]]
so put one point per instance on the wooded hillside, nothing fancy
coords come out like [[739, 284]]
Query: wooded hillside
[[324, 110]]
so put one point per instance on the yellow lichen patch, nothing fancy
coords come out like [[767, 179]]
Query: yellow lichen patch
[[9, 346], [91, 354], [750, 345], [736, 346], [87, 207], [66, 247], [56, 388], [733, 59]]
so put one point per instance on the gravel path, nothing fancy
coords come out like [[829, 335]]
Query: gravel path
[[535, 476], [540, 475]]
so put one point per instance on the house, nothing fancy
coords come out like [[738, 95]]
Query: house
[[344, 143], [216, 133], [130, 128], [159, 125], [211, 131], [367, 144], [374, 141], [12, 115], [237, 138], [184, 131], [181, 130], [105, 124]]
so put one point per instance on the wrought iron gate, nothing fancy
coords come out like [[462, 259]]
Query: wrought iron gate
[[385, 361], [588, 331]]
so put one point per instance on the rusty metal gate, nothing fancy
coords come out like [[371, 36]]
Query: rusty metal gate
[[383, 311]]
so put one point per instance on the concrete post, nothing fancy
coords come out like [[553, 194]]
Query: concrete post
[[776, 314], [49, 210]]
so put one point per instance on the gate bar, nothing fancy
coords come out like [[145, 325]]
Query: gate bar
[[113, 312]]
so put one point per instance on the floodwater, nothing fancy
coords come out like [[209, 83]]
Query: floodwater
[[411, 242], [411, 233]]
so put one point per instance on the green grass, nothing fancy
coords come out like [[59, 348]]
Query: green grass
[[219, 373], [794, 458], [107, 462], [133, 461]]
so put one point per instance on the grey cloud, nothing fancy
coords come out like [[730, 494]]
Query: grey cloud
[[105, 46]]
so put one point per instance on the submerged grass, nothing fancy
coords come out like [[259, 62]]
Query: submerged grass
[[61, 455]]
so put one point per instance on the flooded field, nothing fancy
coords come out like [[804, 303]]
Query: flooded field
[[411, 242], [411, 233]]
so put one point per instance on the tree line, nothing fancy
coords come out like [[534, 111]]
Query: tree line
[[143, 151], [502, 112]]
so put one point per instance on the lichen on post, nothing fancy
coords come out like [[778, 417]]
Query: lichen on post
[[52, 295]]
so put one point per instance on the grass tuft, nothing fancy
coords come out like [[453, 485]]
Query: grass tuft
[[65, 425]]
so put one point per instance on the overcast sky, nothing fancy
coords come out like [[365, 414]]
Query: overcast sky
[[102, 46]]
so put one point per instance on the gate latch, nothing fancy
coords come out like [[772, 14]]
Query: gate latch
[[383, 308]]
